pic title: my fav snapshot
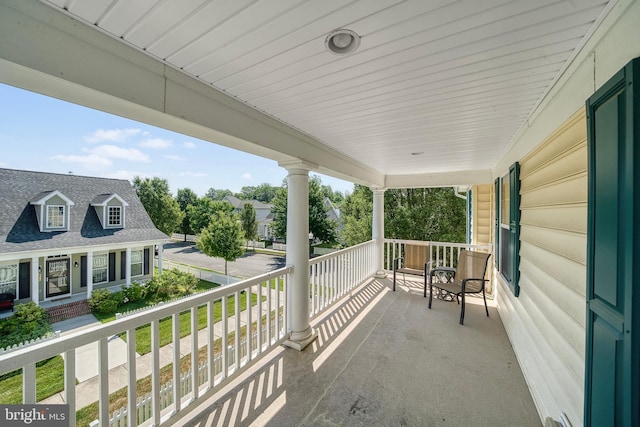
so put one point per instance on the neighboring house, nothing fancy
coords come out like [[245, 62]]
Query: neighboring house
[[63, 235], [264, 217]]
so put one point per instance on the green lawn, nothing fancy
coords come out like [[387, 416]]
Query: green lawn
[[143, 334], [49, 381], [50, 373]]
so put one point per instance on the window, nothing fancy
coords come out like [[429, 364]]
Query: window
[[114, 216], [9, 278], [507, 234], [55, 216], [136, 263], [100, 268]]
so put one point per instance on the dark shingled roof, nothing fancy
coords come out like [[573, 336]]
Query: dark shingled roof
[[19, 229]]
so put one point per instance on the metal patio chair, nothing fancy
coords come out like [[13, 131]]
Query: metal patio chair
[[467, 278]]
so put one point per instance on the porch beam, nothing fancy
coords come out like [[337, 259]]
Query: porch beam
[[301, 333], [444, 179]]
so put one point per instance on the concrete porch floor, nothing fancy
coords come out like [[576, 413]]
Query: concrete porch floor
[[382, 358]]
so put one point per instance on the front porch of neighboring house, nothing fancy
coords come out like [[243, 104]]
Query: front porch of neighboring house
[[54, 279]]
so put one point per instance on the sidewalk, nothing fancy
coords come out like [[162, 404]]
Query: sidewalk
[[87, 389]]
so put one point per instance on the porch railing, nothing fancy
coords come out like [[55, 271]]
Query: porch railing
[[335, 274], [265, 316], [439, 253]]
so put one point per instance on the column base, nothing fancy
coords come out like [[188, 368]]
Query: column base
[[299, 340], [380, 274]]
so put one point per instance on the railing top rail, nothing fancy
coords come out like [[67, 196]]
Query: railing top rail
[[32, 354], [432, 243], [338, 253]]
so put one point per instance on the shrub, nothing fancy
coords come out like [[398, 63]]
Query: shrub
[[103, 301], [29, 321], [171, 283], [134, 292]]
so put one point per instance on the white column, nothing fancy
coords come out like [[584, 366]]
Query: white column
[[127, 267], [160, 248], [377, 230], [301, 333], [89, 273], [35, 281]]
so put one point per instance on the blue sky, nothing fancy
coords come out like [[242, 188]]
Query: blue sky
[[40, 133]]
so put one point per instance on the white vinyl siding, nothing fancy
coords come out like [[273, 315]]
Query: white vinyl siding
[[550, 337]]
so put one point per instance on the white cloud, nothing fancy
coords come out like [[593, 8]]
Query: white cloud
[[193, 174], [114, 152], [90, 161], [112, 135], [189, 144], [157, 143], [174, 157], [247, 175]]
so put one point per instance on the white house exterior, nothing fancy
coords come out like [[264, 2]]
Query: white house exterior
[[65, 235], [264, 217]]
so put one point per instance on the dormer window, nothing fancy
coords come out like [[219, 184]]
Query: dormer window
[[115, 216], [110, 209], [53, 210], [55, 216]]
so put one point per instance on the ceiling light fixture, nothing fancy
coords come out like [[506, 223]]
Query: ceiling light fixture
[[342, 41]]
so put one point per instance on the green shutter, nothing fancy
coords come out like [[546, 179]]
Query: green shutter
[[514, 228], [496, 235], [612, 355]]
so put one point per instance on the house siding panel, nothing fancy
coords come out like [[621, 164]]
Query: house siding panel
[[549, 315]]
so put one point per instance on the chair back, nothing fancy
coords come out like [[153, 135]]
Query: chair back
[[472, 265]]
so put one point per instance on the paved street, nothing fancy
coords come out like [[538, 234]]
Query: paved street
[[249, 265]]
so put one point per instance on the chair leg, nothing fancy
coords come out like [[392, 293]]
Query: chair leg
[[394, 280], [462, 311], [425, 286], [485, 303], [430, 292]]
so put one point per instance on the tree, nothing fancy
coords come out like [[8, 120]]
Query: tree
[[200, 212], [429, 214], [323, 228], [248, 221], [214, 194], [357, 216], [158, 202], [263, 193], [222, 238], [185, 198]]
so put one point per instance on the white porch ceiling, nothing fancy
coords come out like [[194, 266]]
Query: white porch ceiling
[[454, 80]]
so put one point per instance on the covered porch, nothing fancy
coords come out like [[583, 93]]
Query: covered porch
[[383, 358], [488, 96]]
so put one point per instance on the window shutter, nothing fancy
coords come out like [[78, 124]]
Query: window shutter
[[146, 260], [496, 234], [514, 227]]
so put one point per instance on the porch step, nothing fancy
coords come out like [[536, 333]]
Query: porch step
[[68, 311]]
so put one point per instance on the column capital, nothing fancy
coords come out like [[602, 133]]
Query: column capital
[[298, 166], [378, 189]]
